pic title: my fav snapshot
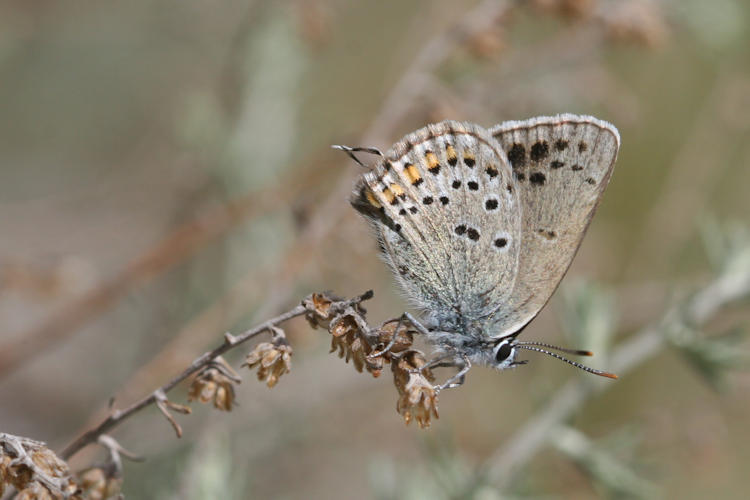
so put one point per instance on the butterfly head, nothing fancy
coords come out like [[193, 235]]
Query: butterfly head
[[505, 349], [504, 354]]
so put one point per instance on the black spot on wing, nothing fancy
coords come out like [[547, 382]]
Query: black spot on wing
[[517, 155], [539, 151], [537, 178]]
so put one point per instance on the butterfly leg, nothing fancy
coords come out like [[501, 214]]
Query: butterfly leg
[[462, 362], [416, 324], [404, 318], [390, 344]]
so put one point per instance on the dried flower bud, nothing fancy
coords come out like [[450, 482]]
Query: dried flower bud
[[34, 470], [98, 484], [4, 472], [17, 475], [418, 398], [35, 491], [318, 307], [215, 382], [48, 463], [272, 359], [348, 339]]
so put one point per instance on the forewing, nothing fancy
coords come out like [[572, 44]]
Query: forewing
[[446, 213], [561, 166]]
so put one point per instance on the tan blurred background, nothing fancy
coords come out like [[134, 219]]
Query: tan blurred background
[[166, 176]]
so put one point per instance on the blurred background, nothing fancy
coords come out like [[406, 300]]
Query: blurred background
[[166, 176]]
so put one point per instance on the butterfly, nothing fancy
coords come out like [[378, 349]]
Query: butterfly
[[480, 225]]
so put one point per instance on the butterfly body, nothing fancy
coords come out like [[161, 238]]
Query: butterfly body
[[479, 225]]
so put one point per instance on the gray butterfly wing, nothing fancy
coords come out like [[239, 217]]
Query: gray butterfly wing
[[446, 214], [561, 166]]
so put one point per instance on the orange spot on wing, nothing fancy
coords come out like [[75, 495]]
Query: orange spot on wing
[[371, 199], [389, 196], [432, 159], [412, 174]]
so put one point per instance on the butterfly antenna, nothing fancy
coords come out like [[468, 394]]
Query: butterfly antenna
[[577, 365], [350, 152], [575, 352]]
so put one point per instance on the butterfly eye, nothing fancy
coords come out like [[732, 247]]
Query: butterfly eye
[[503, 352]]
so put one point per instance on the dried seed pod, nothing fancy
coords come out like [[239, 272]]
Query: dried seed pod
[[273, 359], [98, 484], [318, 307], [417, 396], [35, 491], [351, 343], [214, 382], [33, 469]]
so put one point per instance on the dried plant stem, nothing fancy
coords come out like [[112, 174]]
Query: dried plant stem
[[648, 342], [158, 396]]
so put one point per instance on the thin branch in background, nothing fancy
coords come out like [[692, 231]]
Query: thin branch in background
[[728, 287], [618, 479], [668, 222]]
